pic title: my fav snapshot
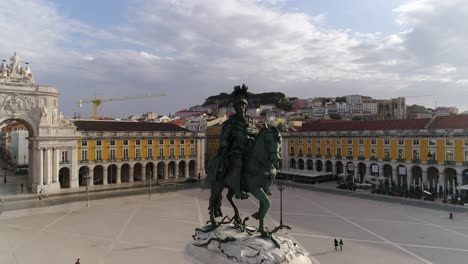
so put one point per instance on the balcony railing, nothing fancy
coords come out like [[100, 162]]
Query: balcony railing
[[172, 157], [291, 154], [374, 159], [161, 157], [98, 160], [432, 162], [84, 161], [338, 157], [416, 160], [328, 156], [387, 159], [318, 156], [64, 162], [150, 158], [465, 163], [401, 160], [361, 158], [181, 156], [138, 158], [309, 155], [300, 154], [449, 162], [350, 157]]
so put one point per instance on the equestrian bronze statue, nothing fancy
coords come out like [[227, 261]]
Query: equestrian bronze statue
[[246, 164]]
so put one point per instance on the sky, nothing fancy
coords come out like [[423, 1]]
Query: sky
[[193, 49]]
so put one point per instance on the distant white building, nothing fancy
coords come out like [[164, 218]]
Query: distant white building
[[134, 118], [149, 116], [445, 111], [370, 107], [253, 112], [266, 107], [162, 119], [341, 108], [196, 124], [354, 99], [19, 147]]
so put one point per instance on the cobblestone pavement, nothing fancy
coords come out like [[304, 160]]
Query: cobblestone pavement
[[135, 229]]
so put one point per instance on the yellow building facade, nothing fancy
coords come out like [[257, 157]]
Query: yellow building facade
[[429, 154], [119, 152]]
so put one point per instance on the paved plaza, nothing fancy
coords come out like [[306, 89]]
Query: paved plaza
[[135, 229]]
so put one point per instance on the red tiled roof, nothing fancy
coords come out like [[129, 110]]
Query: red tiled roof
[[90, 125], [343, 125], [179, 122], [454, 122]]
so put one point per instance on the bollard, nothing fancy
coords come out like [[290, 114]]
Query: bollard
[[451, 216]]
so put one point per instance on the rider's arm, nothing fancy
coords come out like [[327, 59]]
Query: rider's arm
[[225, 138]]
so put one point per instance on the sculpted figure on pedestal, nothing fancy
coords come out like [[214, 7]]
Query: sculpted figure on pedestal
[[246, 163], [15, 66]]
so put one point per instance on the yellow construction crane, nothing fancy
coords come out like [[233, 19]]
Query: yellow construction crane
[[98, 101]]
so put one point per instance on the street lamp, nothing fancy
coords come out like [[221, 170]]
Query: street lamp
[[281, 188], [87, 177], [150, 182]]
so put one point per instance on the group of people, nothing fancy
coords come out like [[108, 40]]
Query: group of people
[[338, 243]]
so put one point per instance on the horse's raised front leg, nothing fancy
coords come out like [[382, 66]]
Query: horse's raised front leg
[[264, 206], [236, 216]]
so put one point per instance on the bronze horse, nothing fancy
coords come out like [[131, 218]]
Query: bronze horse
[[259, 173]]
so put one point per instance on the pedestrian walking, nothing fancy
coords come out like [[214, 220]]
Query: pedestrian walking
[[77, 261], [341, 244], [336, 244]]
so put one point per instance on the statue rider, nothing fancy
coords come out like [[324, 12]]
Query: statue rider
[[238, 134]]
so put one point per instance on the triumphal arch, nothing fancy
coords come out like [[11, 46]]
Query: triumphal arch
[[50, 134]]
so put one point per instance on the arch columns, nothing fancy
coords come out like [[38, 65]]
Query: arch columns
[[48, 170], [440, 182], [166, 170], [459, 179], [356, 173], [424, 179], [91, 174], [186, 169], [117, 175], [39, 157], [104, 174], [395, 175], [130, 174], [368, 171], [143, 173], [333, 168], [409, 178]]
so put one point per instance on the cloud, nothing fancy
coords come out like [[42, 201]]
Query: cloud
[[193, 49]]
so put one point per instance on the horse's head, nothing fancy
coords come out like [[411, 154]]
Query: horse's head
[[273, 144]]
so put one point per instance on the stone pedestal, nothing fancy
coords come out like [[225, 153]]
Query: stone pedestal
[[229, 245]]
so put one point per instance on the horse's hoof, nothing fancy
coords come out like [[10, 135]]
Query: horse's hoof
[[242, 196], [256, 215]]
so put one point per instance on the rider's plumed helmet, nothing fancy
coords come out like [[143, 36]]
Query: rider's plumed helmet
[[240, 95]]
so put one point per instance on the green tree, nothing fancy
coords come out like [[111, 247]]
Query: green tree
[[335, 116], [341, 99]]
